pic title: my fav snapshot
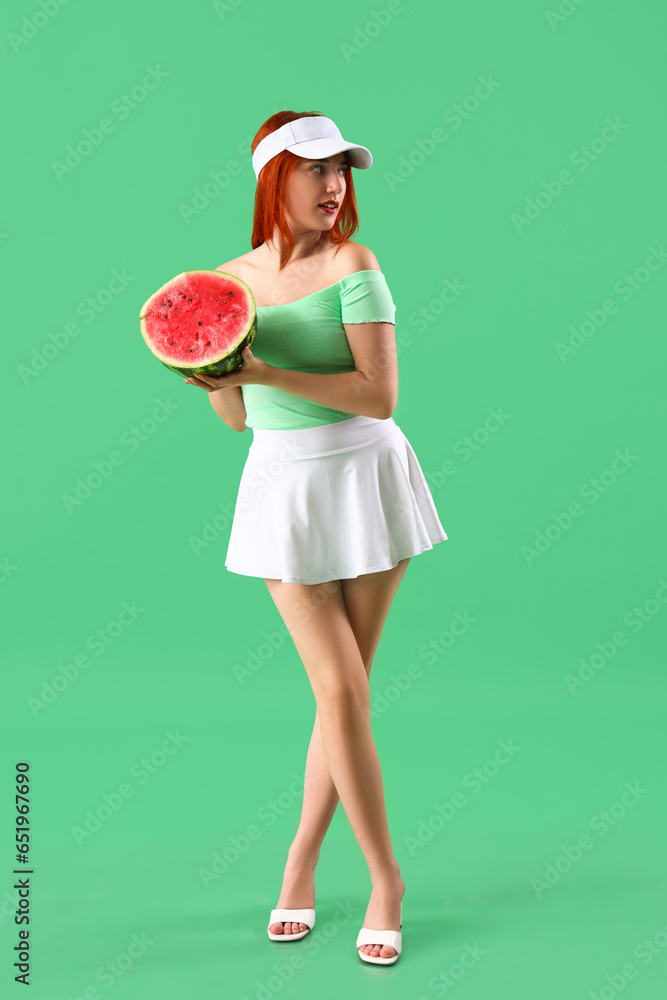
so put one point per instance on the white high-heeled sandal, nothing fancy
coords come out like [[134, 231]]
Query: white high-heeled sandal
[[282, 915], [392, 938]]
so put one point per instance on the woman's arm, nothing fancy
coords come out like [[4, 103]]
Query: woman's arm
[[350, 392], [228, 404], [369, 391]]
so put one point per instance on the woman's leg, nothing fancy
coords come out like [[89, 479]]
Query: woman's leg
[[365, 604], [367, 600]]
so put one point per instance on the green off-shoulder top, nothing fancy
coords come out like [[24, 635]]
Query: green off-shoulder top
[[308, 336]]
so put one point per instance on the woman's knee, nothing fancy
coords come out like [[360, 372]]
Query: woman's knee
[[344, 699], [317, 620]]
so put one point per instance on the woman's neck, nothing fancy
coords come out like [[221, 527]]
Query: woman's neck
[[302, 251]]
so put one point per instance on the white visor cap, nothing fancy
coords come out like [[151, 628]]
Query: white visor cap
[[313, 138]]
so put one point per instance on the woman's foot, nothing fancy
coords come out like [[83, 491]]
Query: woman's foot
[[384, 913], [298, 890]]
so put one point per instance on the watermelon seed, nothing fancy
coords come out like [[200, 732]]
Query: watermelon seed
[[171, 342], [198, 322], [189, 300]]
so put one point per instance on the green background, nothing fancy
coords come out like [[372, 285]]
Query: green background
[[442, 210]]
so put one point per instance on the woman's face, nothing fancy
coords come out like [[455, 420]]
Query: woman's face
[[312, 183]]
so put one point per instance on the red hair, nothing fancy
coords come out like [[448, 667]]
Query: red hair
[[271, 192]]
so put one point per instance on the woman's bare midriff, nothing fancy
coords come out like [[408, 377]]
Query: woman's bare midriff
[[297, 279]]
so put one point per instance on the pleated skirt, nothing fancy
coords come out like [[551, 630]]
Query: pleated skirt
[[330, 503]]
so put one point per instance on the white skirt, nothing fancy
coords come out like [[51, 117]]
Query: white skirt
[[330, 503]]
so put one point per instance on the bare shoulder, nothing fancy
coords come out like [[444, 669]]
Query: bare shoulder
[[235, 267], [361, 258]]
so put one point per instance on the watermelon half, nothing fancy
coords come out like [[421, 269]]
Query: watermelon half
[[200, 322]]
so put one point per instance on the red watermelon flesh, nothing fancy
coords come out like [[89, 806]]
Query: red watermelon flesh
[[200, 322]]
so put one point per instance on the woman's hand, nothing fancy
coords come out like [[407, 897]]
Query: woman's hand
[[252, 372]]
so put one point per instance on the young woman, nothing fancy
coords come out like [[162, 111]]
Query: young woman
[[332, 502]]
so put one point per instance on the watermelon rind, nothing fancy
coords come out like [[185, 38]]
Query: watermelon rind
[[229, 362]]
